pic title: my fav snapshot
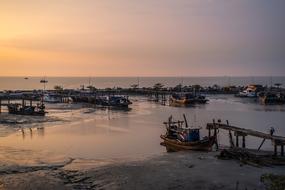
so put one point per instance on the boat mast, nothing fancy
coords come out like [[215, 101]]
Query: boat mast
[[186, 123]]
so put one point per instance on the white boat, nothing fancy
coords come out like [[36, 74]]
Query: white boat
[[52, 98], [250, 91]]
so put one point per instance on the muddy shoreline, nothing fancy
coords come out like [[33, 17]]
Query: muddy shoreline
[[184, 170]]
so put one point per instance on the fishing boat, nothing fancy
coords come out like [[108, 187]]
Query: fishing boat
[[250, 91], [19, 109], [272, 98], [118, 101], [186, 99], [179, 137], [113, 101]]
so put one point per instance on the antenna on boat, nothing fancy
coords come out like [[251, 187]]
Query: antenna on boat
[[186, 123], [44, 81], [181, 84], [89, 82]]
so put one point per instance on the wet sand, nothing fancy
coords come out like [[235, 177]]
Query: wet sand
[[184, 170]]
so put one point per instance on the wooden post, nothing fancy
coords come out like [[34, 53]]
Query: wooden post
[[31, 102], [23, 102], [237, 140], [282, 150], [209, 132], [231, 139], [215, 135], [243, 141], [275, 149]]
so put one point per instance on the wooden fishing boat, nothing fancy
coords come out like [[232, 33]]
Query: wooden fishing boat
[[179, 136], [187, 99], [177, 145], [272, 98], [18, 109]]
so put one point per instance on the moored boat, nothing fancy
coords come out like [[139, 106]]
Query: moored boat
[[272, 98], [52, 98], [18, 109], [177, 145], [187, 99], [250, 91], [114, 101], [180, 137]]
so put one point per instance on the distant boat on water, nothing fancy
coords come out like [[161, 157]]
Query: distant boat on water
[[43, 81], [272, 98], [51, 98], [250, 91], [19, 109], [186, 99], [114, 101]]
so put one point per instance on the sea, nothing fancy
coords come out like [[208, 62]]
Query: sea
[[31, 83]]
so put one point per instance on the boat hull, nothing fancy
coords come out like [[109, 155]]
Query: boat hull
[[32, 114], [12, 109], [175, 145]]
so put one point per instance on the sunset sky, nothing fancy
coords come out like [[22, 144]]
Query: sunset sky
[[142, 38]]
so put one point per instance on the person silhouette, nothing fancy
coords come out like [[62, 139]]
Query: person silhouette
[[272, 131]]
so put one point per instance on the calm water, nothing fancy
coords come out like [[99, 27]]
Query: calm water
[[19, 83], [79, 131]]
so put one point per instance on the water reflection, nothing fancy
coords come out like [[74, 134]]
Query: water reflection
[[40, 132]]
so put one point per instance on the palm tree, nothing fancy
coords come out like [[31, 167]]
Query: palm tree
[[134, 86], [58, 88]]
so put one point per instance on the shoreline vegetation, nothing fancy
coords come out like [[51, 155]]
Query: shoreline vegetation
[[157, 89]]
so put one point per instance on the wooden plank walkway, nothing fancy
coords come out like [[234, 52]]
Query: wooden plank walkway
[[242, 132], [245, 131]]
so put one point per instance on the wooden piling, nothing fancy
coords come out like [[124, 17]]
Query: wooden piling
[[209, 132], [215, 135], [243, 141], [282, 150], [231, 139], [237, 141]]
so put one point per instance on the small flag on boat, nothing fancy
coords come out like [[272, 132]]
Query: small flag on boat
[[182, 136]]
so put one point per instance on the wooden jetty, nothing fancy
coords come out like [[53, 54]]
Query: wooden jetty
[[242, 132]]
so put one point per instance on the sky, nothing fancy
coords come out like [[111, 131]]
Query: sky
[[142, 38]]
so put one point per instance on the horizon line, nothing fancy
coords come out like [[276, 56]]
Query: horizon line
[[150, 76]]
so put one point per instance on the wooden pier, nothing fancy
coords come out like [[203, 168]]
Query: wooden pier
[[278, 141]]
